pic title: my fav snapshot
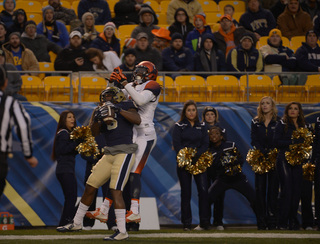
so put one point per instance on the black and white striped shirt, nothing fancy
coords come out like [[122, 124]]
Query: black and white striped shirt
[[13, 113]]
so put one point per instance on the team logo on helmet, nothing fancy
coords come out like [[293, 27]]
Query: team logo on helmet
[[116, 93], [145, 71]]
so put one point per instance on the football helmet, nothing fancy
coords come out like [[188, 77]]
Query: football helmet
[[116, 93], [144, 71]]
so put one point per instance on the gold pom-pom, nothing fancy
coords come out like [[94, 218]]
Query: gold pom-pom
[[229, 161], [301, 151], [185, 155], [308, 171], [89, 147], [259, 163]]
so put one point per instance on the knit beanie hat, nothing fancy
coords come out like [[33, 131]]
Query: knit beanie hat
[[130, 42], [85, 15], [44, 10], [201, 16], [15, 34], [175, 36], [247, 36], [275, 32], [210, 109], [311, 31], [109, 24], [30, 23], [145, 10], [14, 2], [130, 51]]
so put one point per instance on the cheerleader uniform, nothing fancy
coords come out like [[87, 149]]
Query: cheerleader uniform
[[316, 160]]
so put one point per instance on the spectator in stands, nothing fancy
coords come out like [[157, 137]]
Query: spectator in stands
[[20, 56], [177, 57], [54, 30], [129, 62], [38, 43], [278, 8], [161, 38], [99, 9], [103, 61], [128, 43], [181, 23], [194, 37], [146, 24], [308, 55], [73, 57], [277, 57], [229, 9], [258, 20], [14, 79], [20, 19], [311, 7], [107, 40], [294, 21], [65, 15], [6, 15], [127, 12], [87, 30], [3, 33], [209, 58], [192, 7], [147, 53], [228, 36], [245, 57]]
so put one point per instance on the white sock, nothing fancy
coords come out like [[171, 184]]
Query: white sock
[[135, 206], [105, 206], [81, 212], [121, 219]]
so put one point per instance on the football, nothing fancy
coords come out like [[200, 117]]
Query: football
[[108, 114]]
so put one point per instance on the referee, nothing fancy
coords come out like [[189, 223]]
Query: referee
[[12, 112]]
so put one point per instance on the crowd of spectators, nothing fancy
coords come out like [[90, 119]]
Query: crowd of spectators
[[187, 43]]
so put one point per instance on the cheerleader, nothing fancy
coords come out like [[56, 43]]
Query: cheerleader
[[227, 162], [189, 132], [290, 175], [266, 184], [210, 117]]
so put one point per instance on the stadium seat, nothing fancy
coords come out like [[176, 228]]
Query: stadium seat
[[264, 41], [169, 91], [289, 93], [35, 17], [32, 88], [313, 88], [52, 56], [45, 66], [296, 42], [162, 18], [213, 17], [209, 6], [237, 15], [239, 6], [30, 6], [164, 6], [58, 88], [223, 88], [90, 87], [191, 87], [154, 5], [99, 28], [215, 27], [124, 31], [257, 87], [74, 6]]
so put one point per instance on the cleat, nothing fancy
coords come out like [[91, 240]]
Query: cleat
[[96, 214], [69, 228], [220, 227], [198, 228], [117, 236], [131, 217]]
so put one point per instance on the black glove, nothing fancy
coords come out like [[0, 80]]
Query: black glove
[[104, 110]]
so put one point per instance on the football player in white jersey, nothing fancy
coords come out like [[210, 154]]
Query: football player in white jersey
[[145, 92]]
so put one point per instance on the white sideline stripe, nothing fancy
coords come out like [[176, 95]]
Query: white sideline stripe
[[166, 235]]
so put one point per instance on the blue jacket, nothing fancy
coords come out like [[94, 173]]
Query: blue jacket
[[308, 59], [262, 136], [185, 135], [65, 152], [192, 40], [176, 60], [104, 46], [261, 22], [63, 34], [287, 64], [99, 9], [241, 60], [6, 18], [217, 60]]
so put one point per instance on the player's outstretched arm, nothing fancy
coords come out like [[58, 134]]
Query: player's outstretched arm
[[131, 115]]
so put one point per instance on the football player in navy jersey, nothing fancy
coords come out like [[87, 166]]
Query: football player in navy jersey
[[145, 92], [117, 117], [267, 185]]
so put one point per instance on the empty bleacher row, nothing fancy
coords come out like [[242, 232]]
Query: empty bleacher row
[[215, 88]]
